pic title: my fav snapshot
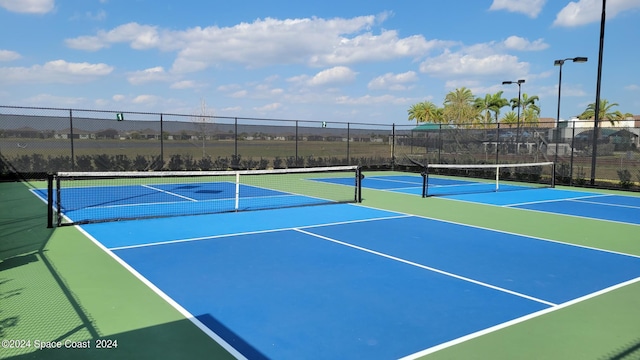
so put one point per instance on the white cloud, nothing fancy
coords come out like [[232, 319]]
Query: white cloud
[[531, 8], [240, 94], [312, 41], [632, 87], [470, 64], [392, 81], [145, 99], [8, 55], [28, 6], [335, 75], [148, 75], [268, 107], [583, 12], [184, 84], [373, 100], [522, 44], [139, 37], [57, 71]]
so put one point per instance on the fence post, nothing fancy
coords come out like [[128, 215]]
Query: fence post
[[161, 142], [573, 137], [393, 147], [348, 145], [498, 144], [73, 157], [439, 142], [235, 140]]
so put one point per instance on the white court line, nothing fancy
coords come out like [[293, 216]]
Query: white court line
[[416, 183], [428, 268], [169, 192], [474, 335], [254, 232], [167, 298], [544, 212], [556, 200], [605, 204]]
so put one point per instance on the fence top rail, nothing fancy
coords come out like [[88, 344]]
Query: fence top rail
[[196, 115]]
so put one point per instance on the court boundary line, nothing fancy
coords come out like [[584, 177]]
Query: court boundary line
[[201, 238], [555, 200], [515, 321], [215, 337], [429, 268], [168, 192], [510, 232], [543, 212], [606, 204]]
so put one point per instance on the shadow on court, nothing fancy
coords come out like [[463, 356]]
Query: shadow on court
[[36, 302]]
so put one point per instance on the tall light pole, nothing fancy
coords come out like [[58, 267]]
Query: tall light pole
[[560, 63], [519, 82], [596, 118]]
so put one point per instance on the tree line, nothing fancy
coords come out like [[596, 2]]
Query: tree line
[[462, 108]]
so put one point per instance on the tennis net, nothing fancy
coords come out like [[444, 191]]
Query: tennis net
[[452, 179], [89, 197]]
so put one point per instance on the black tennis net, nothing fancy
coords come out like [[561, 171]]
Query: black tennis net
[[88, 197]]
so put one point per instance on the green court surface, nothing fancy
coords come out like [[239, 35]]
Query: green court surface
[[56, 285]]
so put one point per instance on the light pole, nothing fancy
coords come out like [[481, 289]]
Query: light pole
[[519, 82], [560, 63]]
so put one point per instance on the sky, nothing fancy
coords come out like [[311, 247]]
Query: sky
[[348, 61]]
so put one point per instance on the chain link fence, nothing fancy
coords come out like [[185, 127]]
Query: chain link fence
[[36, 141]]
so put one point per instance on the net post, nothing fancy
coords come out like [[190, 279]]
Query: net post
[[49, 201], [359, 177], [425, 181], [497, 177], [553, 175], [58, 202], [237, 206]]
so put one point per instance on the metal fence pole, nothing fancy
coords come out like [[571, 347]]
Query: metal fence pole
[[393, 146], [348, 145], [498, 144], [235, 141], [296, 142], [161, 142], [73, 157], [573, 136]]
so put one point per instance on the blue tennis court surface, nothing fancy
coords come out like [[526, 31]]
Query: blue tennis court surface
[[96, 203], [618, 208], [347, 281]]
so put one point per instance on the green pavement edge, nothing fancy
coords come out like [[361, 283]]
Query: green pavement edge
[[57, 286]]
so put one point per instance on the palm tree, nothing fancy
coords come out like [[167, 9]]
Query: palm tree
[[605, 112], [488, 104], [459, 107], [425, 111], [510, 118]]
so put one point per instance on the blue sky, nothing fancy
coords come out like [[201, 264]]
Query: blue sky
[[357, 61]]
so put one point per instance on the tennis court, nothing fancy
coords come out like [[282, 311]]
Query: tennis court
[[580, 203], [349, 279]]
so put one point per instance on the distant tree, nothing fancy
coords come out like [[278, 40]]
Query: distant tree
[[510, 118], [459, 107], [606, 112], [425, 111], [490, 106], [529, 111]]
